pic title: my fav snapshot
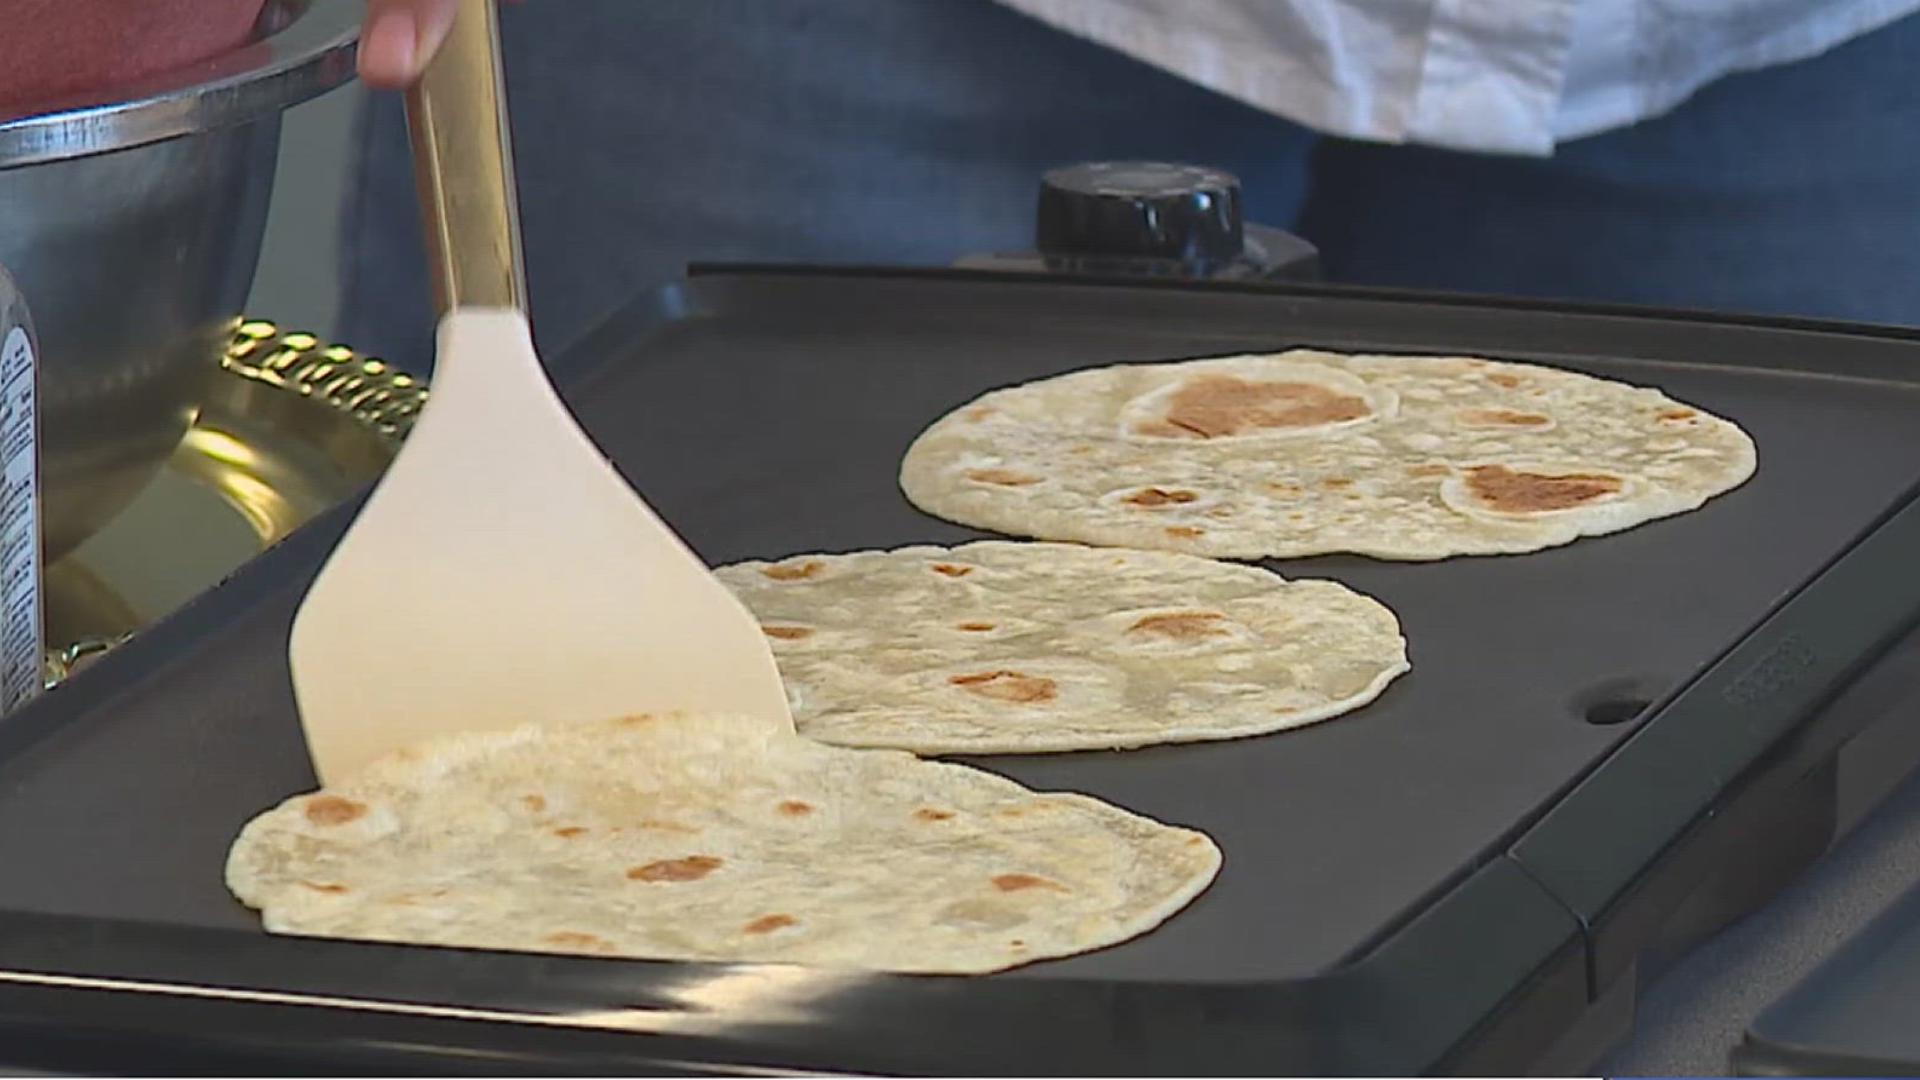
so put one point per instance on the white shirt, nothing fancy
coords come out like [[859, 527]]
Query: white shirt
[[1504, 76]]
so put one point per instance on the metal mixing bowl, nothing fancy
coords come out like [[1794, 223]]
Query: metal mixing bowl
[[133, 227]]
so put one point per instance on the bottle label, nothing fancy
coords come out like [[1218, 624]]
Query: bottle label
[[22, 631]]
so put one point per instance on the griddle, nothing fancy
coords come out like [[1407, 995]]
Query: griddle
[[1602, 751]]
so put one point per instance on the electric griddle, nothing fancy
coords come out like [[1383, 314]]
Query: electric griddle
[[1602, 752]]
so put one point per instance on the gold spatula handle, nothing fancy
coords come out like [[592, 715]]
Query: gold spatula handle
[[463, 164]]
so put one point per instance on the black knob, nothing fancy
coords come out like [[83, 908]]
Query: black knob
[[1140, 210]]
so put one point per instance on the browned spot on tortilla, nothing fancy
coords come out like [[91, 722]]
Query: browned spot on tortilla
[[788, 633], [1002, 477], [691, 868], [1008, 686], [1194, 841], [1335, 483], [1503, 379], [663, 825], [576, 939], [928, 813], [796, 808], [950, 570], [1016, 943], [534, 803], [1182, 625], [324, 886], [1285, 489], [1185, 532], [979, 413], [767, 924], [1018, 882], [333, 810], [1082, 449], [1429, 470], [569, 832], [636, 719], [795, 572], [975, 627], [1502, 418], [1154, 497], [1502, 488], [1678, 414], [1210, 406]]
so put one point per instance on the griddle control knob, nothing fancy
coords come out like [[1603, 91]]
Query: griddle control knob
[[1156, 210]]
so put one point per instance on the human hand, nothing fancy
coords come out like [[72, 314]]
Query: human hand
[[400, 36]]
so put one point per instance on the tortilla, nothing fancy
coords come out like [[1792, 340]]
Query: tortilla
[[711, 838], [1001, 647], [1307, 452]]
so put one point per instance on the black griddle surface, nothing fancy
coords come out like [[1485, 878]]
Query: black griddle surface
[[766, 415]]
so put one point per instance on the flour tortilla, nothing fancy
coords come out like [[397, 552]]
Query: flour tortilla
[[1307, 452], [1016, 648], [712, 838]]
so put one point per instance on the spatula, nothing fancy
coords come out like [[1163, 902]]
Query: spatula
[[502, 572]]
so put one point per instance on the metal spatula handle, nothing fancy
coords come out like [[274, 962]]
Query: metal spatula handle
[[463, 163]]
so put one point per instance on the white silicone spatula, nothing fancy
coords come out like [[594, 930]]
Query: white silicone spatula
[[502, 572]]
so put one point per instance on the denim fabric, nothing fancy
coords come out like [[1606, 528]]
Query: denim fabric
[[1790, 190], [901, 131], [914, 131]]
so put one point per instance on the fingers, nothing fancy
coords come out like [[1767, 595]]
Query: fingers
[[400, 36]]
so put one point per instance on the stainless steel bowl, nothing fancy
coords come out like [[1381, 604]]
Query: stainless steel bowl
[[133, 228]]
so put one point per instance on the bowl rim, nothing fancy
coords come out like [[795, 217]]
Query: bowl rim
[[300, 49]]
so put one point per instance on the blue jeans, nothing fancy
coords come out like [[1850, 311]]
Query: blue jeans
[[914, 131]]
